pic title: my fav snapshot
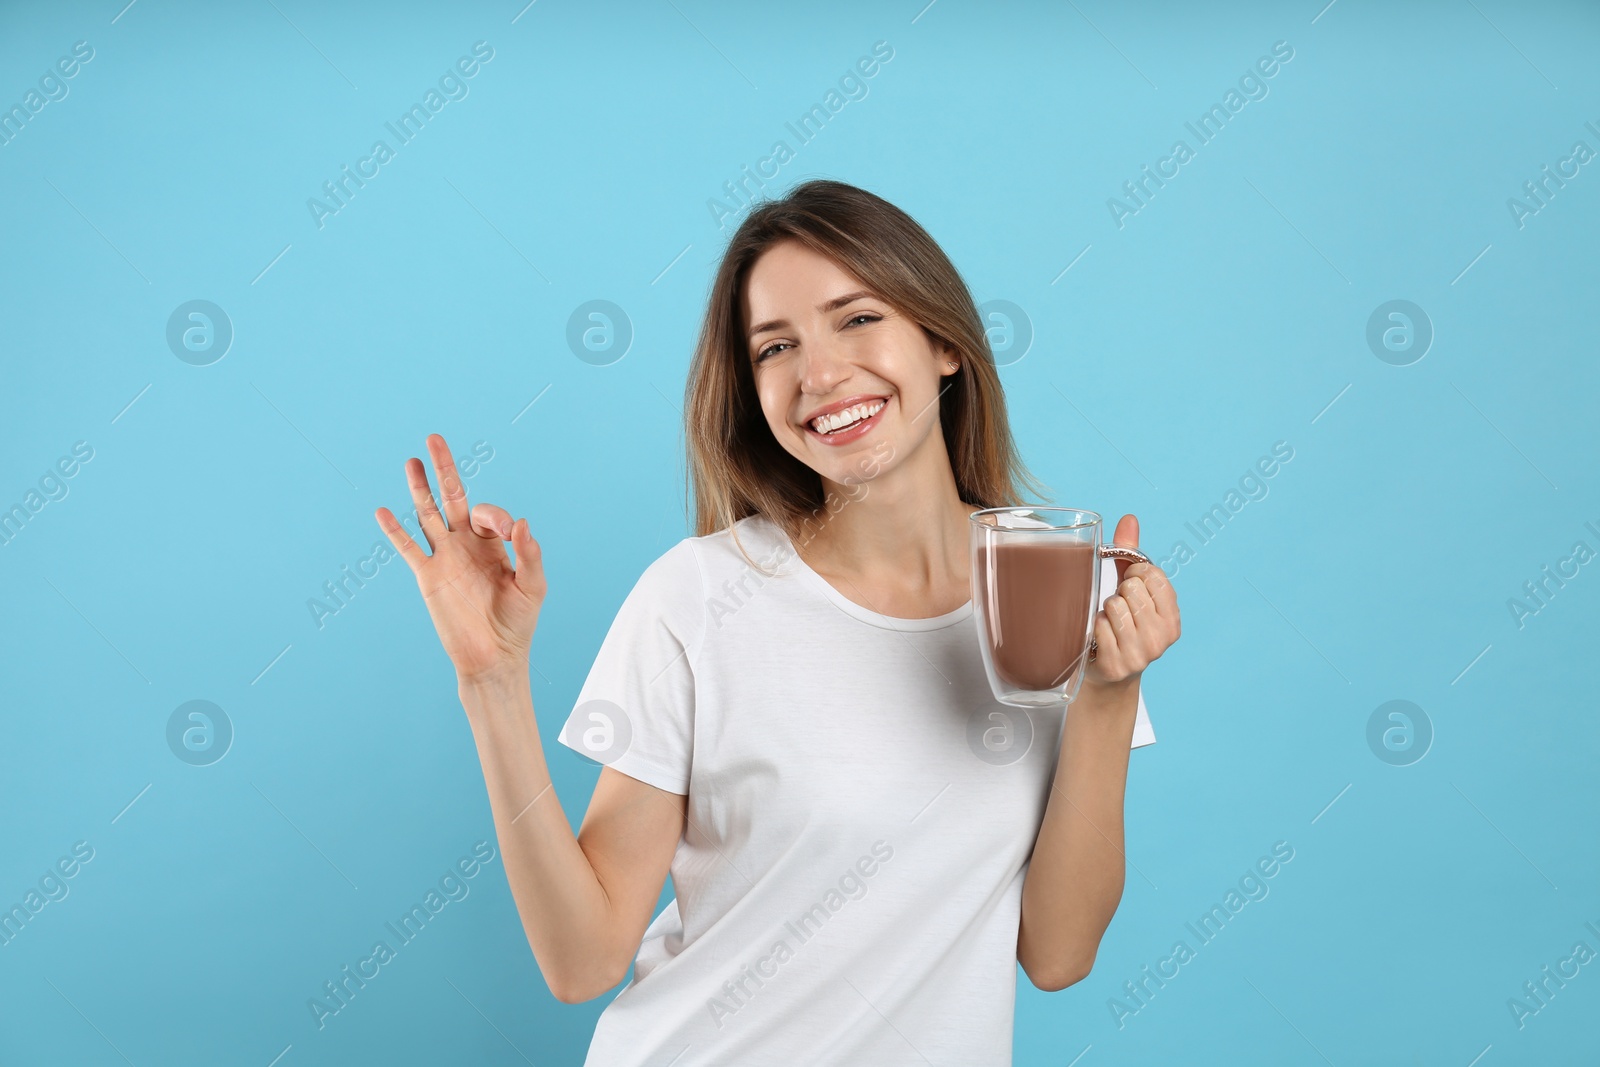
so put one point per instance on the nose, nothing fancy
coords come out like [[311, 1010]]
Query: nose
[[823, 365]]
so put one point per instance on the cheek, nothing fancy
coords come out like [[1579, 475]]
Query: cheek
[[912, 373], [777, 398], [774, 402]]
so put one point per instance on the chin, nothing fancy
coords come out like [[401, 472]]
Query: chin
[[859, 464]]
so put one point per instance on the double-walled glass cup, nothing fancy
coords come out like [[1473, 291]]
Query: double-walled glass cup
[[1035, 593]]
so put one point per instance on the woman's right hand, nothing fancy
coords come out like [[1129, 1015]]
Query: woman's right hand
[[483, 607]]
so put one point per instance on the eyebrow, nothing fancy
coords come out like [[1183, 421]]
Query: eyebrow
[[832, 305]]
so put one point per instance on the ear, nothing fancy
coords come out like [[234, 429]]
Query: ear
[[942, 350]]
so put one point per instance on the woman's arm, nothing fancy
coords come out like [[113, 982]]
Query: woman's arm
[[584, 901], [1074, 881]]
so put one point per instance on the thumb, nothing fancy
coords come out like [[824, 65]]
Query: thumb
[[491, 521], [1127, 535], [529, 560]]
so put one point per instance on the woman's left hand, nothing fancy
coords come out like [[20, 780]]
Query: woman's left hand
[[1138, 622]]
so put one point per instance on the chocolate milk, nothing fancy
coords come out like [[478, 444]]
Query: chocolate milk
[[1037, 609]]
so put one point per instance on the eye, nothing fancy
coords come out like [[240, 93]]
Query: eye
[[778, 346]]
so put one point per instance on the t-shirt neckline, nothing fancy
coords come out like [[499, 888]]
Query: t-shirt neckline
[[857, 611]]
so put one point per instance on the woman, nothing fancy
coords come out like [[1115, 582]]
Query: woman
[[784, 702]]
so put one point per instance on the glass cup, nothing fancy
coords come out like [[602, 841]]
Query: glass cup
[[1036, 592]]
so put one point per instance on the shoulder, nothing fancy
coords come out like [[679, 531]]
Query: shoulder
[[676, 585], [751, 544], [670, 591]]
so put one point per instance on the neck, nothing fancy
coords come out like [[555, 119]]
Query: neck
[[909, 523]]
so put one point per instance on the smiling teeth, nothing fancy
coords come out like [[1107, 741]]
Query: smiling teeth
[[849, 416]]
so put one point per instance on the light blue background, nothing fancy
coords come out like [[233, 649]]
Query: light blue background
[[1227, 315]]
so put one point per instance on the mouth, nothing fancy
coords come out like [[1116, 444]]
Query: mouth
[[848, 425]]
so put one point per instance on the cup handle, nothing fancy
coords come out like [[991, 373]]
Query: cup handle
[[1122, 552]]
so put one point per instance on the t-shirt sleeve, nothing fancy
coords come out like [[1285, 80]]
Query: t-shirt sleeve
[[635, 712], [1143, 732]]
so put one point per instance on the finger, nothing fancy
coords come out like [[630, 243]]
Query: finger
[[403, 542], [492, 521], [529, 560], [1140, 602], [1105, 642], [1120, 618], [452, 491], [433, 527], [1162, 591], [1127, 535]]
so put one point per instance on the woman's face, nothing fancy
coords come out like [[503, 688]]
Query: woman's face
[[820, 344]]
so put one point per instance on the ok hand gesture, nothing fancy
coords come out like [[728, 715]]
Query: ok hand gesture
[[483, 607]]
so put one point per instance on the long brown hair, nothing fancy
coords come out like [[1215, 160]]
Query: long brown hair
[[736, 467]]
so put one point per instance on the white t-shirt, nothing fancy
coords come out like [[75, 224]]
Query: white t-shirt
[[861, 811]]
